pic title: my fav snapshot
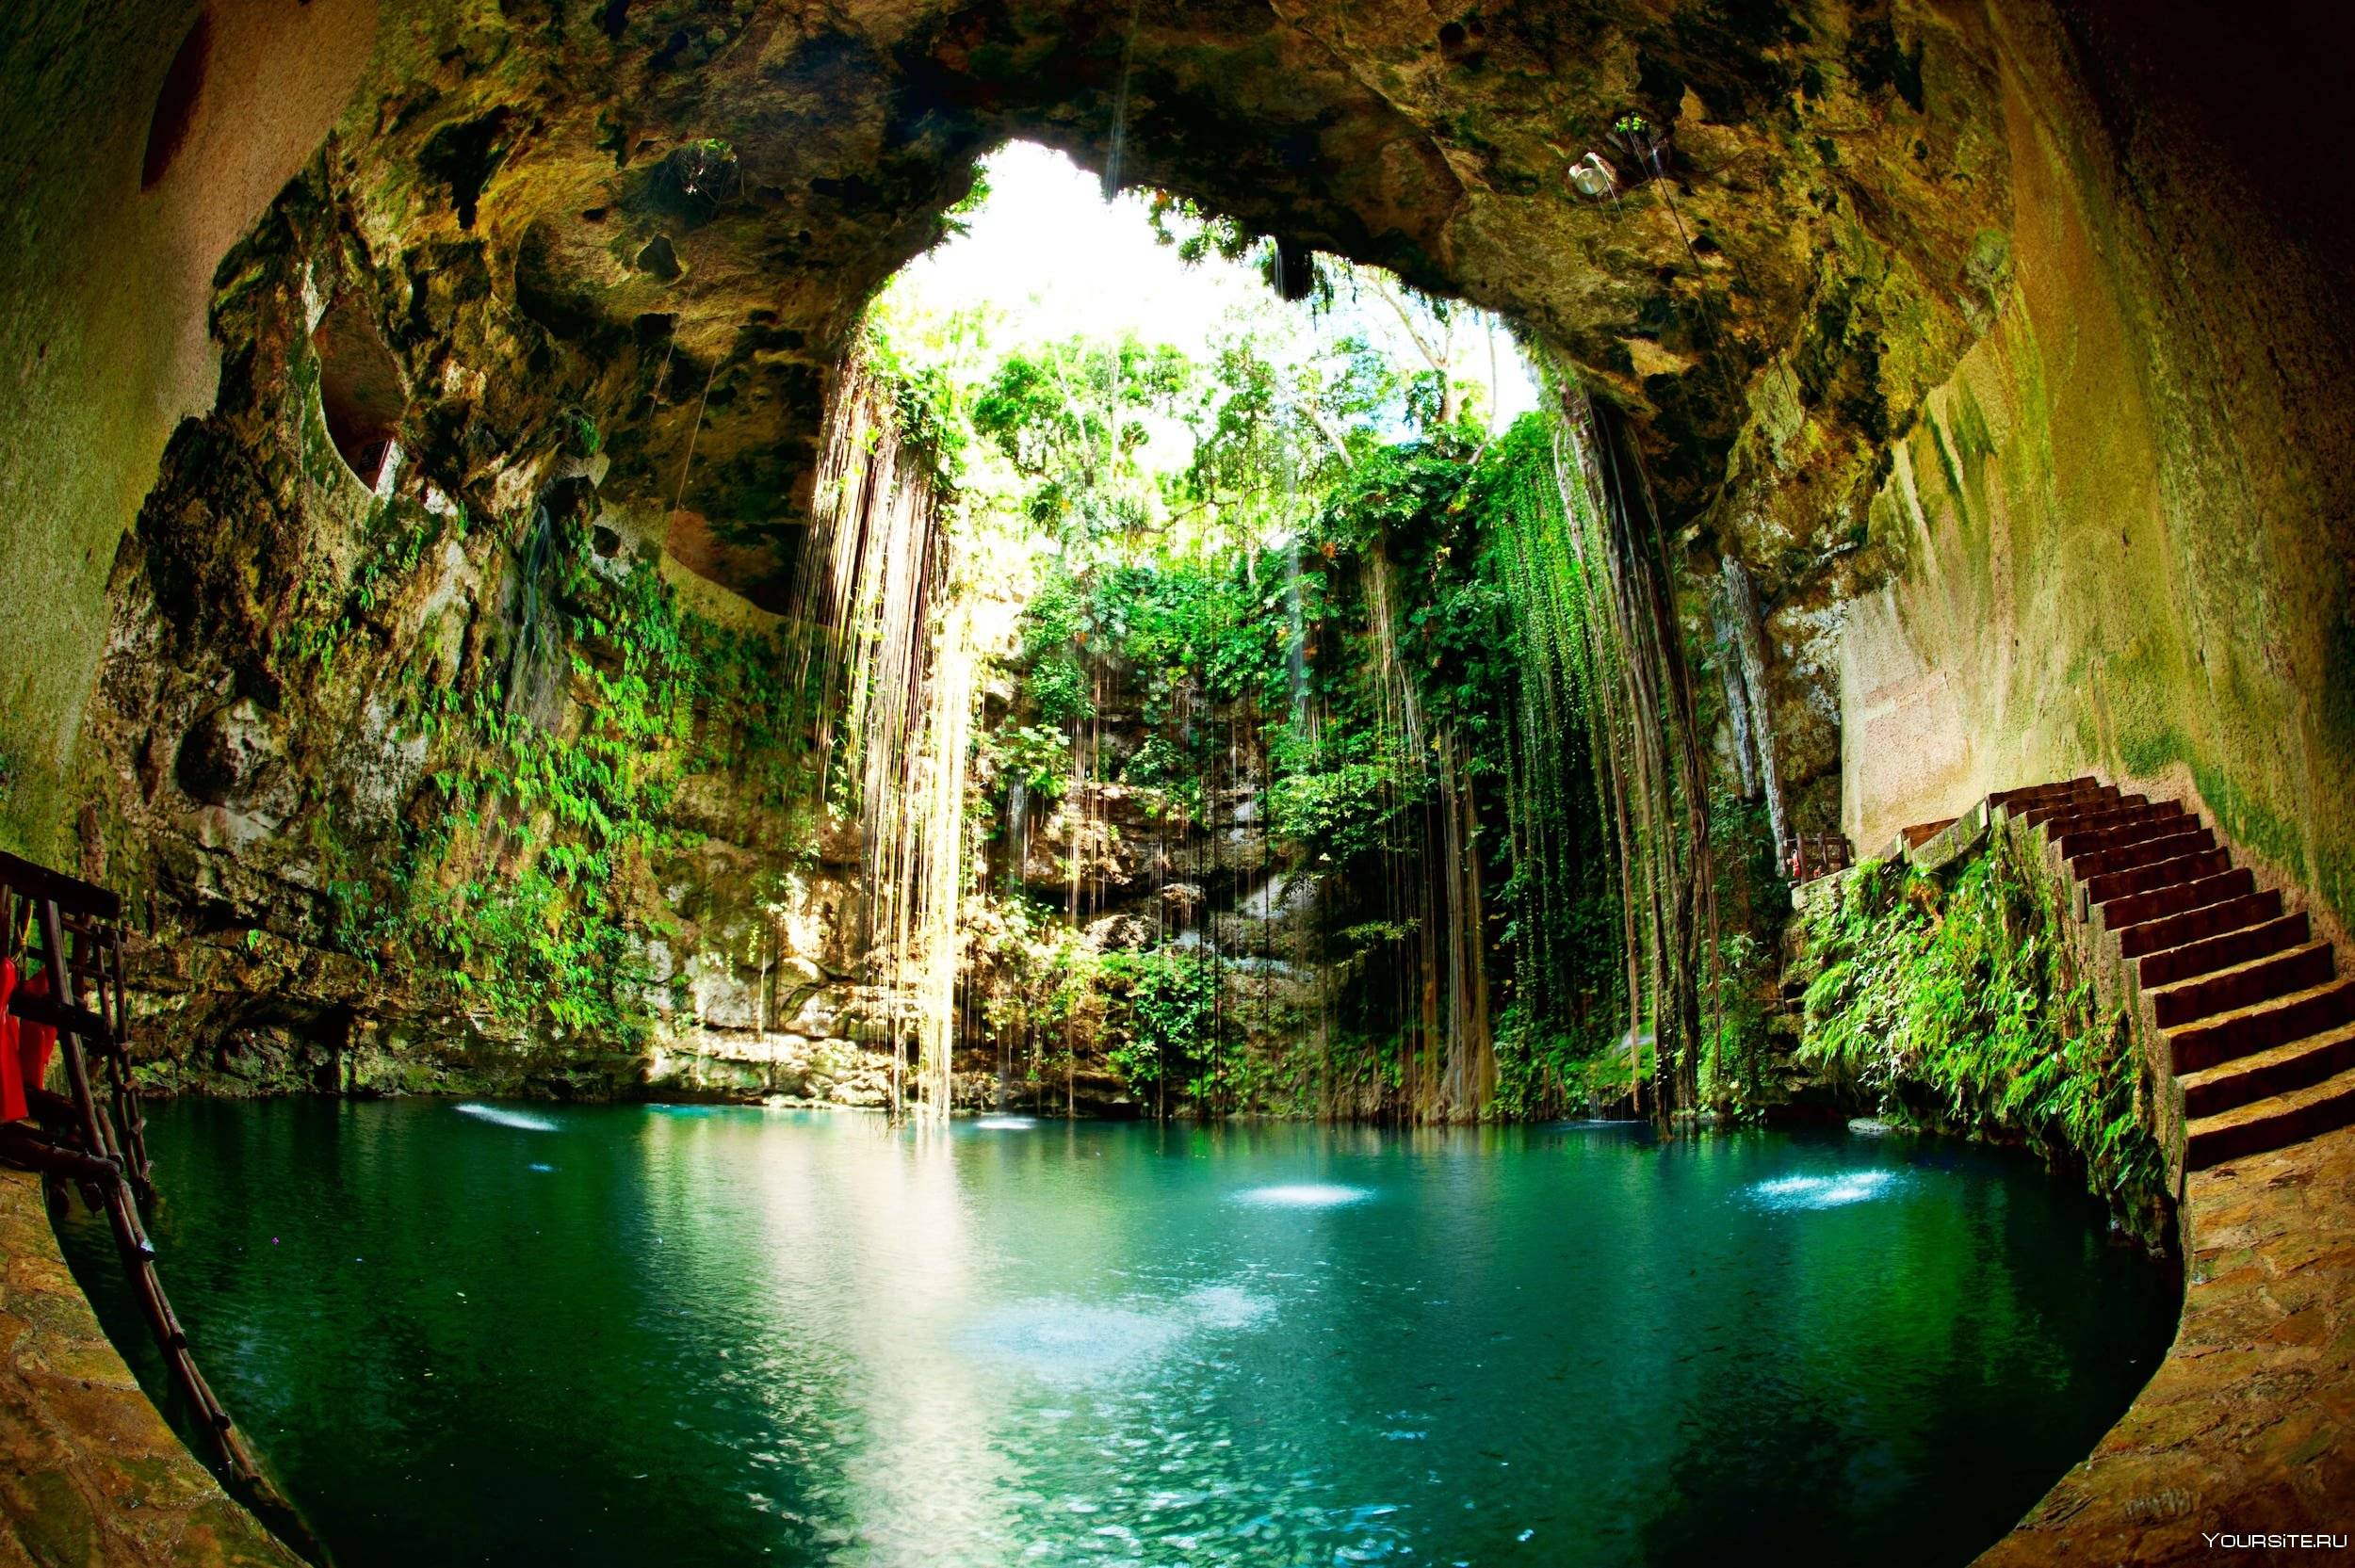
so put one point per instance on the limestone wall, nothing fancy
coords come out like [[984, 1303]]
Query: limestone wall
[[107, 259], [2123, 525]]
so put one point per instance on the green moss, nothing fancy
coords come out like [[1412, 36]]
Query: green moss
[[1956, 1003], [2246, 821], [1949, 466], [1972, 434], [516, 883]]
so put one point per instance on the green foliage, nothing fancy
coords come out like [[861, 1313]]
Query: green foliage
[[393, 543], [1167, 995], [1058, 690], [1544, 1069], [1218, 600], [1038, 756], [581, 432], [1195, 232], [1067, 418], [924, 407], [956, 219], [1344, 797], [517, 878], [1960, 1005]]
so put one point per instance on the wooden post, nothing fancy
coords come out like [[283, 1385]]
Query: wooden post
[[80, 940]]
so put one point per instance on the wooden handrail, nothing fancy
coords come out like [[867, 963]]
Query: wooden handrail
[[1831, 852], [100, 1146], [71, 895]]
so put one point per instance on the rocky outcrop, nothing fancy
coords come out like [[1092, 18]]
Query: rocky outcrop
[[2117, 537], [667, 217], [345, 717]]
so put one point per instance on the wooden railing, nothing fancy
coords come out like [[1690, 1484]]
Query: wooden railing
[[1813, 855], [64, 938]]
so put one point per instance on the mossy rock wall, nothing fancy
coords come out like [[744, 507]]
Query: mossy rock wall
[[442, 786], [107, 248], [1967, 1000], [2122, 532], [2000, 339]]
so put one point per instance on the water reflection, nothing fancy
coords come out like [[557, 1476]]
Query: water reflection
[[501, 1116], [1304, 1195], [743, 1336], [1853, 1187]]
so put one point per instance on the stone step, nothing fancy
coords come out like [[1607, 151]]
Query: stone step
[[2020, 799], [2070, 806], [2191, 926], [2149, 878], [2222, 950], [1921, 832], [2245, 985], [2261, 1026], [2033, 793], [2272, 1123], [2248, 1080], [2120, 914], [2096, 822], [2100, 814], [2131, 826], [2149, 852]]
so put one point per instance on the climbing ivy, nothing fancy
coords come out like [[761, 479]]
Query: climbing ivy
[[1956, 1002], [523, 878]]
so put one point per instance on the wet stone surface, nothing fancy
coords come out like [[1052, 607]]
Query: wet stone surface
[[2249, 1426], [88, 1471]]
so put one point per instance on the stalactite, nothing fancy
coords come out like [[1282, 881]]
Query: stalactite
[[885, 656], [1748, 640]]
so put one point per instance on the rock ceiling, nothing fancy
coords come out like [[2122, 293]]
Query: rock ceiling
[[664, 219]]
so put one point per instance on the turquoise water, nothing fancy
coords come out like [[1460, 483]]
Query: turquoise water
[[629, 1335]]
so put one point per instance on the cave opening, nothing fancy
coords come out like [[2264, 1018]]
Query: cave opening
[[361, 396], [1159, 451], [1195, 684]]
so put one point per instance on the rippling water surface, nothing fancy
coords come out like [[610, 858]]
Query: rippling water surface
[[531, 1335]]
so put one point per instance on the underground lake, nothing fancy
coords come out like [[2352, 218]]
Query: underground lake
[[504, 1332]]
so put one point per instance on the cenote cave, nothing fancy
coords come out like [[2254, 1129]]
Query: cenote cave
[[1256, 782]]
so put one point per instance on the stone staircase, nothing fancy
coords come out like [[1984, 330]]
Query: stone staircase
[[2255, 1018]]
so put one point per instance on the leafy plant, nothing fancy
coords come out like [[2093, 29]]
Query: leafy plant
[[1958, 1003]]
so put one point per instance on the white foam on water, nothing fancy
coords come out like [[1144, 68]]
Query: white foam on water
[[1066, 1341], [1304, 1195], [1004, 1124], [1070, 1341], [1226, 1306], [519, 1120], [1853, 1187]]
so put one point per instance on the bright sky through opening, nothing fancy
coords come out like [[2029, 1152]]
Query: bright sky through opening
[[1047, 259]]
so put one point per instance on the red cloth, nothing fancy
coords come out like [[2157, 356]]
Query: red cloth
[[33, 1041], [12, 1107]]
